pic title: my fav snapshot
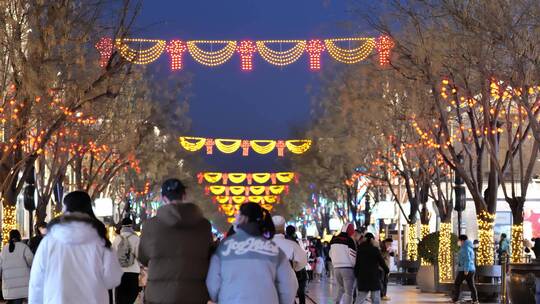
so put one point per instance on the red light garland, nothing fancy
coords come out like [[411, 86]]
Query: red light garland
[[246, 49], [384, 45], [315, 48], [176, 49], [105, 48]]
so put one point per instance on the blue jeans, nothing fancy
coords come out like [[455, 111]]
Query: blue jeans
[[361, 297]]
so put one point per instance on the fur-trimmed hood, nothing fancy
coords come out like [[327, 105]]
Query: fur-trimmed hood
[[75, 228]]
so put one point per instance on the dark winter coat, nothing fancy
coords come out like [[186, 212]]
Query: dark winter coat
[[369, 261], [176, 247]]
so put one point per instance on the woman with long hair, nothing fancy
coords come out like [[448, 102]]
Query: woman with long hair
[[74, 263], [15, 263], [248, 267]]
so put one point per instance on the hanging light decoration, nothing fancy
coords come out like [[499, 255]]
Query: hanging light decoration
[[145, 56], [211, 58], [281, 58], [176, 49], [238, 178], [246, 49], [105, 49], [229, 146], [350, 55], [315, 48]]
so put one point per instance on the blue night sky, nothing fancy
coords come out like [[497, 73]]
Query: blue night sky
[[267, 103]]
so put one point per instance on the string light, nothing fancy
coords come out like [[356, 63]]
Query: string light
[[281, 58], [211, 58], [188, 144], [228, 146], [424, 231], [516, 243], [176, 49], [298, 146], [105, 48], [246, 49], [315, 48], [9, 221], [263, 146], [445, 255], [141, 56], [412, 244], [353, 55], [384, 45], [485, 255]]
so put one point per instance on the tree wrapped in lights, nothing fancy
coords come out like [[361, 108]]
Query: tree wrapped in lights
[[42, 82]]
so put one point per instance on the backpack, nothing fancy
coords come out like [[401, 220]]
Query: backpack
[[125, 253]]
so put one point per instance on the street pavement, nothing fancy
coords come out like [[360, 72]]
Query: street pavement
[[321, 293]]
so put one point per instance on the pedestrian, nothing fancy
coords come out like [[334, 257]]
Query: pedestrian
[[301, 274], [295, 254], [387, 254], [327, 259], [126, 246], [74, 263], [369, 263], [466, 269], [504, 247], [319, 268], [41, 231], [249, 268], [176, 245], [15, 263], [312, 260], [536, 247], [343, 255]]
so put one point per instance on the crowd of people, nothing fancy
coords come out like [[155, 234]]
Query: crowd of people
[[177, 260]]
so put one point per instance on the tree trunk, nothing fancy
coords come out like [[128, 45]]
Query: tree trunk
[[445, 258], [486, 221], [412, 242], [516, 204], [41, 209]]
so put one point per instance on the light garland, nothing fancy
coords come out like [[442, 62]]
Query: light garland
[[241, 199], [246, 49], [211, 58], [142, 56], [105, 49], [176, 49], [229, 146], [246, 190], [348, 55], [412, 243], [238, 178], [516, 244], [192, 144], [485, 254], [444, 259], [9, 221], [281, 58], [424, 231]]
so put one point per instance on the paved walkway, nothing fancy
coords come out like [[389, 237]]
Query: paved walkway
[[322, 293]]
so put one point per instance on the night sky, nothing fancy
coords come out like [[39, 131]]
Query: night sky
[[267, 103]]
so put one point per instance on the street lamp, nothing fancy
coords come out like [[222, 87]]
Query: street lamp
[[459, 188]]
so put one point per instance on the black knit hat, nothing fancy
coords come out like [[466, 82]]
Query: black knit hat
[[173, 189]]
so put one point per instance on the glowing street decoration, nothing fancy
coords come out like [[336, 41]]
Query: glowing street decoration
[[485, 253], [241, 199], [276, 52], [238, 178], [246, 190], [285, 177], [192, 144], [246, 49], [105, 49], [261, 178], [445, 255], [229, 146], [211, 58], [281, 58], [176, 49], [145, 56], [350, 55]]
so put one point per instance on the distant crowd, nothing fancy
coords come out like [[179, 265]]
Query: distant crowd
[[177, 260]]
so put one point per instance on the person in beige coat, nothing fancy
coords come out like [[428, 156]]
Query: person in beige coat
[[15, 263]]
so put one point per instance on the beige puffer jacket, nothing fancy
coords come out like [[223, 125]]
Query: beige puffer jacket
[[15, 268]]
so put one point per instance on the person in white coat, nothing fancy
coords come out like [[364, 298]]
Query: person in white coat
[[15, 263], [74, 262]]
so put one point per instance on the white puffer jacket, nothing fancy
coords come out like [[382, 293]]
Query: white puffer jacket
[[72, 265], [15, 270]]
